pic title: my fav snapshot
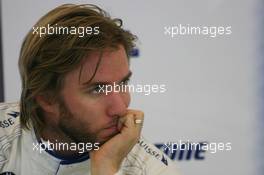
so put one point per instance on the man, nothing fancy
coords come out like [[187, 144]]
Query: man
[[65, 123]]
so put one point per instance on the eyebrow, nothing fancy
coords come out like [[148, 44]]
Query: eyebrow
[[104, 82]]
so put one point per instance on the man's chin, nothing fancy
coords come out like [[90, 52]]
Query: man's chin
[[107, 138]]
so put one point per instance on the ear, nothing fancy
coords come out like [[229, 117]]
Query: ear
[[48, 105]]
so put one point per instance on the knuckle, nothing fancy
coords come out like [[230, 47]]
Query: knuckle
[[141, 113]]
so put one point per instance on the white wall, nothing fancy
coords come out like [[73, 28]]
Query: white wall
[[211, 82]]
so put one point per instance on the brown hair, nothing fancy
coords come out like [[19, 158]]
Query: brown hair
[[44, 60]]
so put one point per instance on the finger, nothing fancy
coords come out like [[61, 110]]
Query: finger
[[121, 122], [132, 122], [138, 118], [129, 121]]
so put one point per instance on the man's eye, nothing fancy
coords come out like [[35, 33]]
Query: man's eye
[[125, 82], [97, 89]]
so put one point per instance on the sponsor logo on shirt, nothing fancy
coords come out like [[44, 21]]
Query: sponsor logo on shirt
[[153, 152], [9, 121]]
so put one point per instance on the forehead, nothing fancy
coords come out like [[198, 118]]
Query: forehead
[[113, 66]]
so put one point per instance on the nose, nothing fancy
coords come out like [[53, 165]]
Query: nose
[[118, 103]]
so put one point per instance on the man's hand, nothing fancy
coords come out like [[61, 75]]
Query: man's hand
[[107, 160]]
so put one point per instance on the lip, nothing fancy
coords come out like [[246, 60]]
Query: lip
[[111, 125], [112, 130]]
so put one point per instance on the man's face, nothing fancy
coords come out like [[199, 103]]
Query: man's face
[[89, 116]]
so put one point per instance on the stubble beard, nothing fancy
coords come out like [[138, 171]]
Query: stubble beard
[[75, 131]]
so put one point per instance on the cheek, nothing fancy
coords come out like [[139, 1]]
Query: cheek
[[84, 108], [88, 115]]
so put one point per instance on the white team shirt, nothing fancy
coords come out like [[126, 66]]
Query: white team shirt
[[19, 156]]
